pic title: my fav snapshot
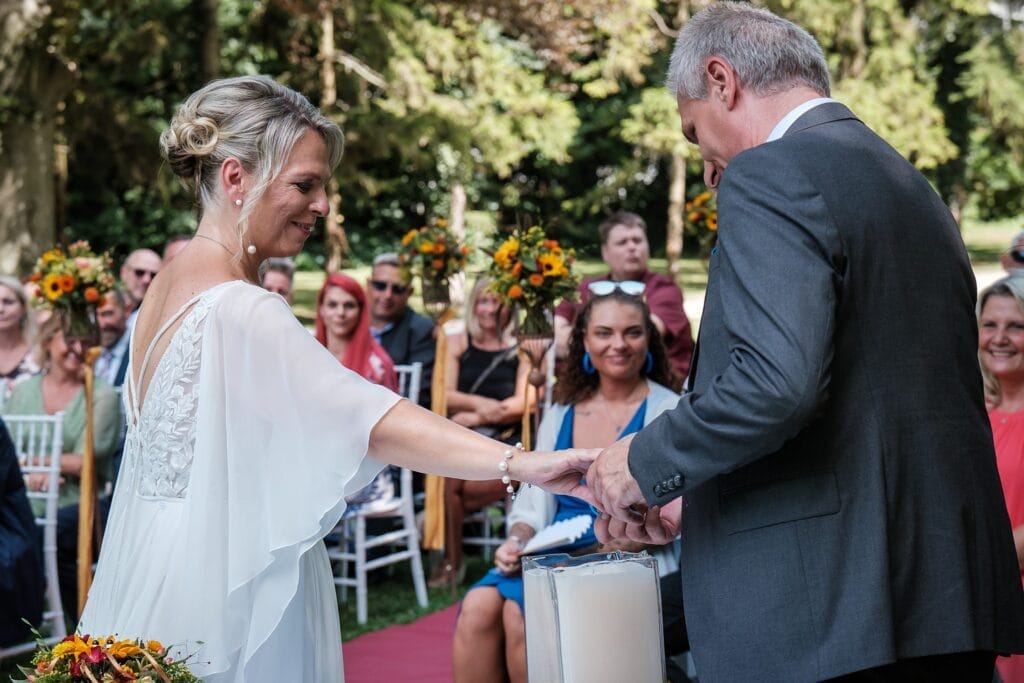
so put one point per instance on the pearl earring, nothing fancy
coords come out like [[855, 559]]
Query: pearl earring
[[238, 202], [251, 249]]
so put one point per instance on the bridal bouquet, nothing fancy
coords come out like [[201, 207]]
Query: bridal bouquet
[[73, 279], [84, 659], [533, 272]]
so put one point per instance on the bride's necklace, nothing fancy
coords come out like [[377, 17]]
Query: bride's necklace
[[216, 241]]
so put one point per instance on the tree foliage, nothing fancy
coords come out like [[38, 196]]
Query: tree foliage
[[533, 110]]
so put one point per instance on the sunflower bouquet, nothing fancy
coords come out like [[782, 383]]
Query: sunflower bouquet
[[702, 220], [86, 659], [532, 273], [73, 279], [432, 253]]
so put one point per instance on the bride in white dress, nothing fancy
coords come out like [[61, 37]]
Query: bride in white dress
[[245, 434]]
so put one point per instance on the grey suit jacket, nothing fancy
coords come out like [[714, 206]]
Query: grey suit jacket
[[842, 505]]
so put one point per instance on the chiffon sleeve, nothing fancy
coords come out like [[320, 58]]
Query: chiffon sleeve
[[281, 437]]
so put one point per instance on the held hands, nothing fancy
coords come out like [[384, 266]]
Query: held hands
[[556, 471], [625, 511], [659, 526]]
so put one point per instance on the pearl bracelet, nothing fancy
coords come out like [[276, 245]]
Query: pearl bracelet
[[503, 468]]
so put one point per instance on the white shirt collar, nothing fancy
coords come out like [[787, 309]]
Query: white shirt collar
[[782, 126]]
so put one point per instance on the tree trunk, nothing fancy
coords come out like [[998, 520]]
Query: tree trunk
[[457, 224], [32, 82], [336, 245], [209, 40], [676, 201]]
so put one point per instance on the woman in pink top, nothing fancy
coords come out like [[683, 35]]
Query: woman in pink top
[[1001, 352]]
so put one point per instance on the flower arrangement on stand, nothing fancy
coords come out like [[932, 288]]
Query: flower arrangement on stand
[[702, 220], [531, 274], [72, 284], [432, 253], [85, 659]]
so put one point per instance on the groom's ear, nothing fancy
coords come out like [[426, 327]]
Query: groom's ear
[[722, 81]]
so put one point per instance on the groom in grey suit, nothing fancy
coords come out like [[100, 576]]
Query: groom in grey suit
[[841, 513]]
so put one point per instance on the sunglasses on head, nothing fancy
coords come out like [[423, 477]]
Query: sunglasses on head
[[381, 286], [606, 287], [142, 272], [1017, 255]]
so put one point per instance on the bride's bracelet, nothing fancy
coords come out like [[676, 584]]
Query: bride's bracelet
[[503, 467]]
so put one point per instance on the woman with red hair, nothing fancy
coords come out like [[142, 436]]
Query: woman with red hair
[[343, 326]]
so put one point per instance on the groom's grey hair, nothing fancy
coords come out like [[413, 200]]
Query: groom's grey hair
[[768, 53]]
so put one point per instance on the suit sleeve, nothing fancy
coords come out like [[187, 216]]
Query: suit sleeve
[[776, 285]]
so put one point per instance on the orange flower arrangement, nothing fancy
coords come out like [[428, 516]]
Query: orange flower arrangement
[[82, 659], [71, 280], [432, 252], [702, 219], [533, 272]]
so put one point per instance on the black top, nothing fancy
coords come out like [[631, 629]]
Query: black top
[[500, 383]]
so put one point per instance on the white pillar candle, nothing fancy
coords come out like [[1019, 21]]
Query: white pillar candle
[[608, 616]]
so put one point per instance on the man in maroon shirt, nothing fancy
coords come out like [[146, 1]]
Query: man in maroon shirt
[[625, 250]]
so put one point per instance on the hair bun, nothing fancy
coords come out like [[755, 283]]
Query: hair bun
[[187, 142]]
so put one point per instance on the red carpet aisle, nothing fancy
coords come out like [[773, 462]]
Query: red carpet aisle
[[420, 651]]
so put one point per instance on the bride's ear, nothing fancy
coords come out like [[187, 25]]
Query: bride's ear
[[233, 180]]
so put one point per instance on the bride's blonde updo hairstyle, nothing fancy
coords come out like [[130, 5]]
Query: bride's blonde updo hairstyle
[[251, 118]]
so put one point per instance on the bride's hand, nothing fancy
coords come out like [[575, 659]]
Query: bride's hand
[[556, 471]]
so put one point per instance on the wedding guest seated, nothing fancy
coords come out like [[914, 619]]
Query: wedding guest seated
[[343, 326], [1012, 259], [137, 272], [486, 391], [16, 362], [112, 318], [617, 379], [407, 336], [278, 276], [625, 250], [60, 387], [1001, 352], [21, 561]]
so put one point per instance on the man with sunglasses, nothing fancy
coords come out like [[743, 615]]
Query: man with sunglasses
[[137, 272], [625, 250], [407, 336], [1013, 258]]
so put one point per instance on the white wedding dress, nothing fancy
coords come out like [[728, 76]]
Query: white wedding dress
[[249, 436]]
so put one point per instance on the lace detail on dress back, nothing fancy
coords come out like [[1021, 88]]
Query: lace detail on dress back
[[161, 442]]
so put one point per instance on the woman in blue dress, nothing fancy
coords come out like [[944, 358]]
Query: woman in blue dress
[[616, 380]]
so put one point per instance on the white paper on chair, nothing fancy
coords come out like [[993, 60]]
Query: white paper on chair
[[559, 533]]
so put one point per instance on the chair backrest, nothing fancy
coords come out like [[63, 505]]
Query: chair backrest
[[38, 441], [409, 380]]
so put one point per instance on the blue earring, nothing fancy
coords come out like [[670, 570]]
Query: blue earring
[[588, 365], [649, 365]]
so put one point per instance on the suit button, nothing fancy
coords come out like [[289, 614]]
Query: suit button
[[678, 481], [657, 489]]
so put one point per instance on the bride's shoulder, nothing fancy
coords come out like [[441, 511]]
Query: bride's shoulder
[[248, 304]]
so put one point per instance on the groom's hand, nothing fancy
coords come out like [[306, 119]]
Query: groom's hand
[[660, 526], [617, 492]]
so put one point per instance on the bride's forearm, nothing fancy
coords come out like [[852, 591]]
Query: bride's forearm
[[417, 439]]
